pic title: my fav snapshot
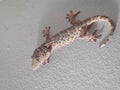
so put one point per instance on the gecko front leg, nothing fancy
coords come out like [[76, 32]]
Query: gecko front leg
[[46, 32], [72, 17]]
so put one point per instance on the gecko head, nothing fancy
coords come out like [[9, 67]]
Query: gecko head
[[40, 56]]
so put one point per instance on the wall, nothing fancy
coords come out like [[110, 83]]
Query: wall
[[78, 66]]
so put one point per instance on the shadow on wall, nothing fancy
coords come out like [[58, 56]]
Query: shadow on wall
[[55, 10]]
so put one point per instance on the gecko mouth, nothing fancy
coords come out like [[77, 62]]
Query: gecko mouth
[[35, 64]]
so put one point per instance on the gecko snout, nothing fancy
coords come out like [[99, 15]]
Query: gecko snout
[[35, 64]]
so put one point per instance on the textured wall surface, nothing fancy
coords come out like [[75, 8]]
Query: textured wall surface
[[79, 66]]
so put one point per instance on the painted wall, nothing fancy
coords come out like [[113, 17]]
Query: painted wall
[[79, 66]]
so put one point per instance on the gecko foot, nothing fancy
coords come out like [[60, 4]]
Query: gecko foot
[[46, 32], [72, 17], [96, 36]]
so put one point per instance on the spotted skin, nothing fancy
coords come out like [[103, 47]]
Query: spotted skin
[[78, 29]]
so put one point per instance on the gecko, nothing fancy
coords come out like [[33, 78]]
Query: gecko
[[78, 29]]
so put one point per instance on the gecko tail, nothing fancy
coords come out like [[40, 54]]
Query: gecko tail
[[99, 18], [101, 45], [111, 24], [106, 39]]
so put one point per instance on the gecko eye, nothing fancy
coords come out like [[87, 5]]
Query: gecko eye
[[37, 59]]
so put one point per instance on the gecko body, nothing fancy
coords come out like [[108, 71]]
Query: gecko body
[[78, 29]]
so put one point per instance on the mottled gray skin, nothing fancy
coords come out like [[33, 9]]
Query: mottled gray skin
[[42, 54]]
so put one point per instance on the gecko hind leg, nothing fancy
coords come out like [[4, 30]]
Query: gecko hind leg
[[72, 17], [90, 30], [96, 36], [46, 32]]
